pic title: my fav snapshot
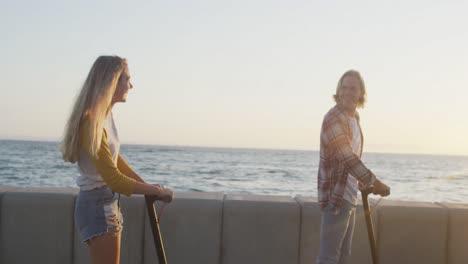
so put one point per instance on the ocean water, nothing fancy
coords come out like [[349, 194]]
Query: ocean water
[[247, 171]]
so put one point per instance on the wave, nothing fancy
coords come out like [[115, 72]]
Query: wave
[[154, 150], [61, 166], [167, 150], [210, 172], [195, 190], [284, 173], [456, 177]]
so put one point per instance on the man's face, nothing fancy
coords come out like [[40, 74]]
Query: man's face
[[349, 93]]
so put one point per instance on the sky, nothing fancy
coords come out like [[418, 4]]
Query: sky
[[242, 74]]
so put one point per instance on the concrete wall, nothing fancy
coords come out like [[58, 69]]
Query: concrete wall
[[457, 233], [260, 229], [191, 228], [412, 232], [37, 226]]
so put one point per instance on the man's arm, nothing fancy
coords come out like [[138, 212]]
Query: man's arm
[[337, 139]]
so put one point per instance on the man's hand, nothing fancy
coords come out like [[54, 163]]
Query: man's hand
[[381, 189]]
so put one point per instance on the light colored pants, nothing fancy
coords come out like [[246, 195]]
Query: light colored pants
[[336, 234]]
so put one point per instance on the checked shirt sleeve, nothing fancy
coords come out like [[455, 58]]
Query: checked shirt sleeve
[[336, 138]]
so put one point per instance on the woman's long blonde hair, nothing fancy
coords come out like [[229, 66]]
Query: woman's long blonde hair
[[94, 103]]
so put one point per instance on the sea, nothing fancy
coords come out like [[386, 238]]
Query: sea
[[431, 178]]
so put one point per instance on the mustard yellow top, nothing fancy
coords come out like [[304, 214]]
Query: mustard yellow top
[[114, 171]]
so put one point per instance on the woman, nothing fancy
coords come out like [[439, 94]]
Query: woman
[[92, 141]]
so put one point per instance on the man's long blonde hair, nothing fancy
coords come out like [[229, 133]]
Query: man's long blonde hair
[[94, 103], [363, 98]]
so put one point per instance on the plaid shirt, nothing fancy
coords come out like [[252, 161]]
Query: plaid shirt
[[337, 159]]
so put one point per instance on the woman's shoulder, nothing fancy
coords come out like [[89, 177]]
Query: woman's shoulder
[[86, 126]]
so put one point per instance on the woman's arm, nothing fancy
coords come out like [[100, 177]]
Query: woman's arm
[[123, 166], [113, 177], [104, 164], [141, 187], [163, 194], [121, 182]]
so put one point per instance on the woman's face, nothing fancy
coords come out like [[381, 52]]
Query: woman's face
[[124, 84]]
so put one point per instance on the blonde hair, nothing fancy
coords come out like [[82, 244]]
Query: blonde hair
[[94, 103], [354, 73]]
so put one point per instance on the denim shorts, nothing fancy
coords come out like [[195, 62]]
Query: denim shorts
[[96, 212]]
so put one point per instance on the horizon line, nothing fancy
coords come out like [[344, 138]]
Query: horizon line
[[50, 140]]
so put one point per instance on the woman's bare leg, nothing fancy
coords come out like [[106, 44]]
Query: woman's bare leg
[[105, 249]]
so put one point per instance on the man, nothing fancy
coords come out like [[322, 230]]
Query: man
[[341, 171]]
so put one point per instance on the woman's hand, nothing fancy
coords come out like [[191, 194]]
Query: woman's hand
[[167, 195], [160, 192], [164, 194]]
